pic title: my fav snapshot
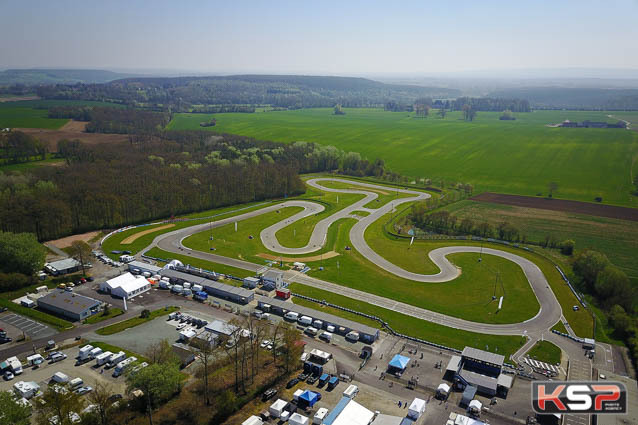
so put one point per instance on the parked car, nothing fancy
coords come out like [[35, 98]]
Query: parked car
[[270, 393], [83, 390], [57, 358], [8, 376], [90, 279], [302, 376], [292, 383], [181, 326], [265, 343], [115, 397]]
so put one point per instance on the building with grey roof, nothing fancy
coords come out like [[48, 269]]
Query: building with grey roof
[[342, 326], [480, 369], [69, 304], [60, 267], [214, 288]]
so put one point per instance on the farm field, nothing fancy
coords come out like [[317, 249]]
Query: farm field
[[618, 239], [33, 113], [455, 338], [519, 157]]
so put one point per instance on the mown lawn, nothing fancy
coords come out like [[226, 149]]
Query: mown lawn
[[134, 321], [545, 351], [100, 317], [433, 332], [519, 157]]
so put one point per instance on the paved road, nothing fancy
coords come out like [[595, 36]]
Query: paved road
[[549, 313]]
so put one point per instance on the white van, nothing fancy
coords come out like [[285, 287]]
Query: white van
[[326, 336], [311, 331], [305, 320], [60, 378], [351, 391], [291, 315], [75, 383]]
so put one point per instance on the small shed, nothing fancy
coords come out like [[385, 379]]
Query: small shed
[[308, 399], [296, 394], [416, 409], [250, 282], [398, 364]]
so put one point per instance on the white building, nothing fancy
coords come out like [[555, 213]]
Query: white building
[[126, 286], [277, 408], [273, 278], [349, 412], [253, 420], [297, 419]]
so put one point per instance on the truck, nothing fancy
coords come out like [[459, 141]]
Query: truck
[[351, 391], [200, 296], [85, 352], [115, 359], [103, 358], [305, 320], [126, 258], [123, 365]]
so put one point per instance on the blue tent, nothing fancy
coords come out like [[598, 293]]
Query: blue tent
[[308, 398], [399, 362]]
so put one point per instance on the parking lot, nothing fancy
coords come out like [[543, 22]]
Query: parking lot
[[30, 327], [87, 371]]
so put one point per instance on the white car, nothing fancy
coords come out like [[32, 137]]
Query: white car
[[265, 343], [84, 390], [181, 326], [8, 376]]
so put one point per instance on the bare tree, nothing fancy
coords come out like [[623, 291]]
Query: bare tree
[[82, 251], [100, 398], [204, 350]]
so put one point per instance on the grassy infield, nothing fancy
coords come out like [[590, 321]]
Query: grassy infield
[[477, 286]]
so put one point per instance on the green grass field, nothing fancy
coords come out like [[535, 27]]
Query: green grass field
[[408, 325], [97, 318], [545, 351], [33, 113], [520, 156], [50, 160], [618, 239]]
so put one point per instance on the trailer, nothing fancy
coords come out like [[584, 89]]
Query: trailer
[[323, 380], [333, 382], [123, 365], [95, 352], [103, 358]]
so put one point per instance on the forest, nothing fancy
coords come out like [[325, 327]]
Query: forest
[[17, 147], [186, 94], [574, 98]]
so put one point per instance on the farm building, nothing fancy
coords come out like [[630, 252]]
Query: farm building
[[480, 369], [61, 267], [349, 412], [139, 267], [273, 279], [69, 304], [341, 326], [216, 289], [126, 286]]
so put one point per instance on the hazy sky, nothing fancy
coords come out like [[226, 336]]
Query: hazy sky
[[320, 36]]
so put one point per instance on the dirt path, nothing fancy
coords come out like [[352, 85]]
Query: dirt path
[[74, 126], [134, 237], [65, 242], [325, 256], [73, 130]]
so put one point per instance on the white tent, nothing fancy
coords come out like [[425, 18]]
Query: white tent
[[277, 407], [475, 406], [297, 419], [417, 407], [443, 389], [126, 285], [253, 420], [296, 395]]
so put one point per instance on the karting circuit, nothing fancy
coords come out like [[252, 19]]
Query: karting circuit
[[548, 314]]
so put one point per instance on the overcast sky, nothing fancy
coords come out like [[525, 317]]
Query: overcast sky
[[319, 37]]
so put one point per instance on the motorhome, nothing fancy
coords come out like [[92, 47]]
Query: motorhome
[[85, 352], [123, 365], [95, 352], [305, 320], [115, 359], [75, 383], [103, 358]]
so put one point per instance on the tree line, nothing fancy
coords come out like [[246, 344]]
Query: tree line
[[485, 104], [18, 147]]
